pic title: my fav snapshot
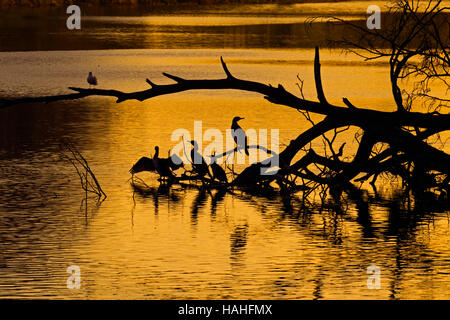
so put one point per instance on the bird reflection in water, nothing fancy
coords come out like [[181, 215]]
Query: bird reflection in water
[[161, 192], [238, 242], [198, 203], [216, 199]]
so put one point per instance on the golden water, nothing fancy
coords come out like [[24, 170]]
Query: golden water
[[185, 244]]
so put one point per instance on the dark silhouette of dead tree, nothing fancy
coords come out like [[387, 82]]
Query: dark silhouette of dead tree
[[416, 47], [414, 37]]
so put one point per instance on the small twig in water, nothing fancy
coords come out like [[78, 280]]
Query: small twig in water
[[89, 182]]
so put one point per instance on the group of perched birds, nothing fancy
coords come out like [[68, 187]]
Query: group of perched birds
[[165, 166]]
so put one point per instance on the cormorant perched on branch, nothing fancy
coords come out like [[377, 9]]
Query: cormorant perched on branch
[[218, 172], [239, 135], [148, 164], [164, 166], [198, 162], [175, 162]]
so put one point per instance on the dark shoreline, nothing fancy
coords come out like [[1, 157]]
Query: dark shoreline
[[157, 4]]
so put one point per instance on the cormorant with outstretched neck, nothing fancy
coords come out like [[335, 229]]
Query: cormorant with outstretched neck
[[239, 135], [198, 162]]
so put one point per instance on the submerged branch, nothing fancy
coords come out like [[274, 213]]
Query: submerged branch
[[88, 180]]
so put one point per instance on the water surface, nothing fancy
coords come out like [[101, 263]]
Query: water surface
[[184, 243]]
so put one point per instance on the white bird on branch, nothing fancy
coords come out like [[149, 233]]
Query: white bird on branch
[[91, 79]]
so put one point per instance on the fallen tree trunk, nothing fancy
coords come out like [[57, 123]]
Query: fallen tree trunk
[[378, 126]]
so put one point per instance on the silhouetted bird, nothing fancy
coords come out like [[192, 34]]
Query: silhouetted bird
[[163, 165], [198, 162], [148, 164], [143, 164], [218, 172], [442, 196], [239, 135], [91, 79], [175, 162]]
